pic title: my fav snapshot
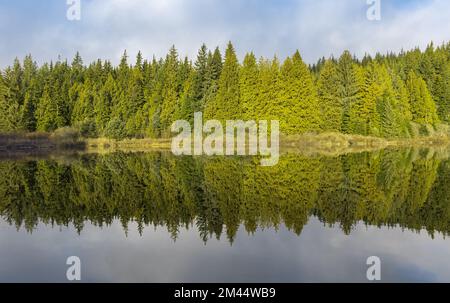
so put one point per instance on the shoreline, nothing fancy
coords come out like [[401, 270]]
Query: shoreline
[[323, 144]]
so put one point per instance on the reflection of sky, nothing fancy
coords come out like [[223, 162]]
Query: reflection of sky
[[316, 28], [319, 254]]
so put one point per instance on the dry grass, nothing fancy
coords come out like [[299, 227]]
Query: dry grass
[[309, 143], [108, 145], [65, 138], [337, 143]]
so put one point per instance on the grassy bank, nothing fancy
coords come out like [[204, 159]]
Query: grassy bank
[[108, 145], [337, 143], [309, 143], [62, 139], [322, 143]]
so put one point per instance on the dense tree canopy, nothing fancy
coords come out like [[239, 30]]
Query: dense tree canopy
[[388, 96]]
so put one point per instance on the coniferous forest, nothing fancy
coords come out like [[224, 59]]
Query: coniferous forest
[[402, 95]]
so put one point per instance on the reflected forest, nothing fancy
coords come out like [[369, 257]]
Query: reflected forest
[[216, 196]]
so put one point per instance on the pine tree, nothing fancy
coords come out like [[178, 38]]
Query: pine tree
[[30, 93], [47, 112], [364, 117], [441, 84], [269, 86], [423, 107], [350, 83], [105, 103], [298, 105], [27, 113], [379, 96], [199, 83], [77, 69], [5, 123], [249, 85], [136, 99], [213, 72], [227, 105], [330, 101], [169, 91]]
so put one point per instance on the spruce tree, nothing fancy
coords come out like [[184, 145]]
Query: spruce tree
[[104, 103], [47, 112], [364, 117], [269, 86], [213, 72], [297, 105], [226, 105], [350, 83], [329, 98], [6, 120], [169, 92], [249, 85], [423, 107]]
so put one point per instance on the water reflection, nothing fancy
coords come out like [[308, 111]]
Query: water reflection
[[407, 188]]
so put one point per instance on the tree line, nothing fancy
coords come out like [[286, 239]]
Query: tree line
[[402, 95]]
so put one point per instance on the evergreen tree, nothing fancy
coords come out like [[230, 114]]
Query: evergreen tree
[[330, 101], [376, 96], [195, 88], [249, 85], [297, 105], [104, 103], [226, 105], [350, 83], [47, 112], [169, 92], [7, 114], [363, 115], [269, 85], [213, 72], [422, 106]]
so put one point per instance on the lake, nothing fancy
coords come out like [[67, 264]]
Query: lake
[[154, 217]]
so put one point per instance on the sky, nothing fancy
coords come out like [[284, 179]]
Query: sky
[[267, 27]]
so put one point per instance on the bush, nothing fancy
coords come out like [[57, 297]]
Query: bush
[[66, 135]]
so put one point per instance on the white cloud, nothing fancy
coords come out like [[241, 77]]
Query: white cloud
[[316, 28]]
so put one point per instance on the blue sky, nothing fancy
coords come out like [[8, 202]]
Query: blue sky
[[268, 27]]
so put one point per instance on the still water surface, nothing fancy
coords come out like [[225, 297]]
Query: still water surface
[[153, 217]]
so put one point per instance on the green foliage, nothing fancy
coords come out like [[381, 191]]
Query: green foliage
[[407, 189], [394, 95], [66, 135], [297, 106], [329, 98], [47, 112], [249, 84], [422, 106], [115, 129], [169, 92], [227, 105]]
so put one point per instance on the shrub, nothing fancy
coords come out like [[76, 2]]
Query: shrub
[[66, 135]]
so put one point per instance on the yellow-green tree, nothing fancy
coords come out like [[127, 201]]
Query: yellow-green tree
[[330, 101], [297, 105]]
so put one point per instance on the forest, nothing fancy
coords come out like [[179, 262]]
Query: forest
[[393, 95]]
